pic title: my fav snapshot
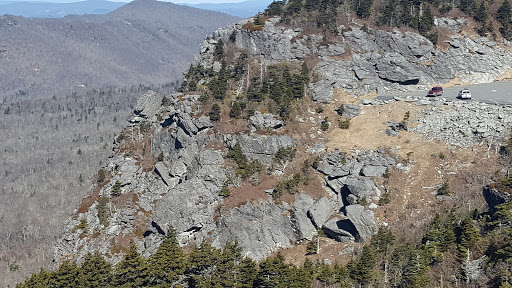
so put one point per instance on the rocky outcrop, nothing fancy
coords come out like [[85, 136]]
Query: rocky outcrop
[[264, 121], [147, 106], [260, 228], [259, 147], [465, 124], [494, 197]]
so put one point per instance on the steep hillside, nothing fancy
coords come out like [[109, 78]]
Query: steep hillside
[[278, 141], [144, 42]]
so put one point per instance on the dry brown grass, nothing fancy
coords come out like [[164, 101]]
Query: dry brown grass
[[240, 196]]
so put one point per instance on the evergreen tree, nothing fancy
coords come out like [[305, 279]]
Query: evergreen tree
[[116, 189], [215, 112], [236, 110], [247, 273], [504, 13], [362, 271], [426, 22], [95, 272], [218, 53], [364, 7], [132, 271], [37, 280], [468, 236], [202, 265], [481, 14], [415, 273], [167, 264], [274, 273], [65, 276], [275, 8]]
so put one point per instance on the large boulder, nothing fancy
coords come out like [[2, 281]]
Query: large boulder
[[362, 220], [265, 121], [494, 197], [148, 104], [322, 91], [190, 206], [259, 147], [339, 230], [305, 227], [260, 228], [320, 211], [361, 187]]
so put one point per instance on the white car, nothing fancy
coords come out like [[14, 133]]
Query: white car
[[464, 94]]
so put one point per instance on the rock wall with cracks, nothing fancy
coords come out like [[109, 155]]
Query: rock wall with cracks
[[372, 60]]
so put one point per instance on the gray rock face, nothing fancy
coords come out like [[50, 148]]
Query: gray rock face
[[322, 91], [206, 166], [360, 187], [260, 147], [188, 207], [362, 220], [148, 105], [261, 229], [163, 171], [351, 110], [265, 121], [493, 197], [339, 230], [320, 211], [305, 227]]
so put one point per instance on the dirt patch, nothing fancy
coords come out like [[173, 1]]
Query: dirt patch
[[506, 76], [240, 196]]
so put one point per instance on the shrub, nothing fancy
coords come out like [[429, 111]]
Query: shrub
[[215, 113], [103, 210], [324, 125], [82, 226], [101, 176], [160, 157], [344, 123], [224, 192], [444, 190], [116, 189]]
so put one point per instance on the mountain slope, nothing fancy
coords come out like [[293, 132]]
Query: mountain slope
[[56, 10], [244, 9], [144, 42]]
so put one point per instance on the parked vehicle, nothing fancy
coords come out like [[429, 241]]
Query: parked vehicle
[[464, 94], [435, 91]]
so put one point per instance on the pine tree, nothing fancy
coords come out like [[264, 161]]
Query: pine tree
[[426, 22], [95, 272], [504, 14], [37, 280], [215, 113], [116, 189], [202, 264], [381, 241], [132, 271], [167, 264], [65, 276], [364, 7], [247, 273], [468, 237], [274, 273], [481, 14], [363, 270]]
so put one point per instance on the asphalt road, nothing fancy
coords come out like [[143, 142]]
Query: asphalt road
[[492, 93]]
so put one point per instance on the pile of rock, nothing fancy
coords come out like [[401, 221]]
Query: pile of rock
[[465, 124]]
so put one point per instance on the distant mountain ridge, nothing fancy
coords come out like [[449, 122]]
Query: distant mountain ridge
[[143, 42], [243, 9], [56, 10]]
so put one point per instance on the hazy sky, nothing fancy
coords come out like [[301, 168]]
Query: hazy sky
[[174, 1]]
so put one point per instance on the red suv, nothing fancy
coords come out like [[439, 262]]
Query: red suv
[[435, 91]]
